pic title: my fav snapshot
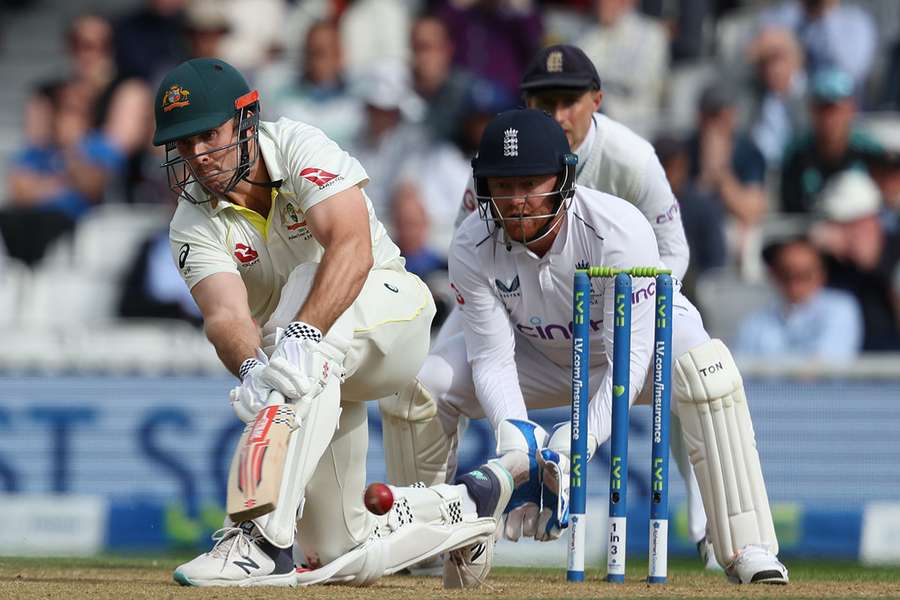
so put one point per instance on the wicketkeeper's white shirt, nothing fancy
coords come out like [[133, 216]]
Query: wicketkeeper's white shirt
[[509, 297], [218, 237], [615, 160]]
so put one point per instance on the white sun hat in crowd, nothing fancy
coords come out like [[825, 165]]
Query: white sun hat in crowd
[[849, 196]]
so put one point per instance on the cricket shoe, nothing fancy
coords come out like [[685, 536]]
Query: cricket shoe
[[708, 555], [490, 487], [241, 557], [755, 564]]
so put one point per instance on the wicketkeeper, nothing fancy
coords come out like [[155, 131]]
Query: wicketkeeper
[[563, 81], [512, 267], [273, 228]]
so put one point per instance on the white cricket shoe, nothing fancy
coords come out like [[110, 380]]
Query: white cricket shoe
[[755, 564], [241, 557], [491, 487], [708, 555]]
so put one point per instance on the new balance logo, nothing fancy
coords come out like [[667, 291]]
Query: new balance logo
[[246, 564], [479, 475], [477, 551]]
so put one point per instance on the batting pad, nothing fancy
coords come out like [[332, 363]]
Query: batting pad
[[719, 436], [318, 419], [416, 448]]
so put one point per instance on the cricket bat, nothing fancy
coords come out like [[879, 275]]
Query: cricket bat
[[254, 479]]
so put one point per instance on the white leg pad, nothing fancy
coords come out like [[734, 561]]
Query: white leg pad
[[423, 523], [719, 436], [318, 418], [416, 449]]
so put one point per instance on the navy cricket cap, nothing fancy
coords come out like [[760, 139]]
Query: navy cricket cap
[[560, 67], [522, 142]]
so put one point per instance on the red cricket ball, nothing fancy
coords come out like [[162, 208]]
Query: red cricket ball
[[378, 498]]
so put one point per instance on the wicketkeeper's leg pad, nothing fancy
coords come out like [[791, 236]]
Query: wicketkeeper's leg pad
[[416, 447], [719, 435]]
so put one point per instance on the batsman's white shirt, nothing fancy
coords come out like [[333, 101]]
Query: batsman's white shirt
[[615, 160], [514, 303], [219, 236]]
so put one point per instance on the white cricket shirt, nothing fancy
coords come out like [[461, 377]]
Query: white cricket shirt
[[511, 297], [221, 237]]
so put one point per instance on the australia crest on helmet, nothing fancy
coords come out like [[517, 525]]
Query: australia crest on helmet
[[175, 97]]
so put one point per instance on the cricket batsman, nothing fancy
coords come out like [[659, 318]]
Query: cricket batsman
[[512, 267], [273, 229]]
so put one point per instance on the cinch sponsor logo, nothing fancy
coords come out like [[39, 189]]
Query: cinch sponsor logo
[[245, 253], [550, 331], [320, 177], [669, 215]]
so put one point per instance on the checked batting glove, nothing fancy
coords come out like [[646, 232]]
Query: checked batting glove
[[301, 363], [555, 466], [250, 397], [525, 439]]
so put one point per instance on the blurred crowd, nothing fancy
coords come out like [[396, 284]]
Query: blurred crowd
[[775, 122]]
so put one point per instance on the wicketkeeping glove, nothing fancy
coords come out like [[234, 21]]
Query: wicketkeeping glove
[[526, 438], [555, 466]]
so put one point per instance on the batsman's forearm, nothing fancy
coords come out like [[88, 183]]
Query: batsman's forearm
[[235, 340], [339, 280]]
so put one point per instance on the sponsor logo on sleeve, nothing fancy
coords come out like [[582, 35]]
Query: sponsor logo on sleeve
[[459, 297], [245, 254], [320, 177], [293, 223], [183, 255], [469, 201]]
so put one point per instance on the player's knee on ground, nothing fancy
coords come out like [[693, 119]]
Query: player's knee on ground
[[719, 435]]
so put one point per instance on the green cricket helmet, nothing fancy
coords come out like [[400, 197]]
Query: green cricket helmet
[[197, 96]]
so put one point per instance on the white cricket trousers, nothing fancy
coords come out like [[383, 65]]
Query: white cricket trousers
[[447, 374]]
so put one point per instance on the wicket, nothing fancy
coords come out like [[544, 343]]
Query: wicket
[[618, 476]]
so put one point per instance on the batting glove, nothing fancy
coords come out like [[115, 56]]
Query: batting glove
[[250, 397]]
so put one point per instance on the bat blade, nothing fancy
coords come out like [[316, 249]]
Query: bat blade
[[257, 467]]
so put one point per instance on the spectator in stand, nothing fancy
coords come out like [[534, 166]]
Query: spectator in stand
[[832, 34], [410, 231], [320, 94], [885, 170], [495, 39], [206, 25], [375, 31], [51, 186], [449, 164], [89, 42], [150, 40], [807, 321], [728, 165], [779, 111], [255, 29], [391, 136], [631, 51], [153, 286], [702, 213], [442, 85], [833, 145], [861, 257]]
